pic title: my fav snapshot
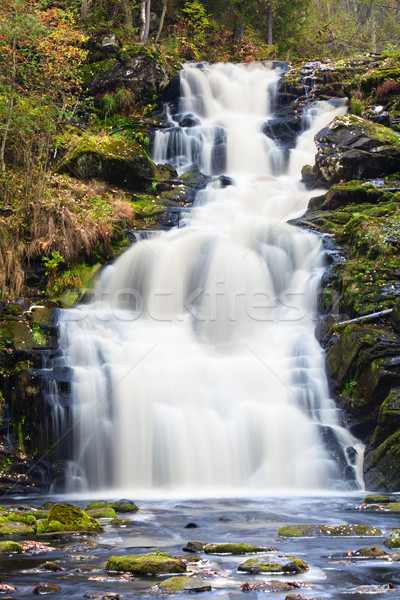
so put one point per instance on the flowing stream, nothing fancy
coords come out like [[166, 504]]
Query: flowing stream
[[195, 366]]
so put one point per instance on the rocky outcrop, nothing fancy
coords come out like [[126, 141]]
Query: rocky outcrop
[[354, 148], [143, 73], [110, 159]]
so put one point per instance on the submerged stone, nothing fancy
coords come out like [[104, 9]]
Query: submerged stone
[[183, 584], [329, 530], [236, 549], [274, 564], [68, 518], [156, 563]]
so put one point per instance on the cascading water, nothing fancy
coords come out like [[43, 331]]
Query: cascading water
[[195, 367]]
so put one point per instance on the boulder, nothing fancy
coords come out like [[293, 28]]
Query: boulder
[[377, 499], [9, 547], [354, 148], [183, 584], [68, 518], [146, 564], [143, 73], [235, 549], [116, 161], [274, 564], [46, 588]]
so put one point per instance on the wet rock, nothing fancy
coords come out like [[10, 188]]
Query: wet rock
[[52, 566], [146, 564], [14, 524], [46, 588], [124, 506], [377, 499], [369, 552], [191, 526], [102, 596], [183, 584], [269, 586], [121, 522], [68, 518], [274, 564], [354, 148], [9, 547], [194, 547], [235, 549], [393, 541], [329, 530], [102, 513]]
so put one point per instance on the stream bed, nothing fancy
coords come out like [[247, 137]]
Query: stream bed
[[161, 525]]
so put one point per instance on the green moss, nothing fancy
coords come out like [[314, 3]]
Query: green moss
[[66, 517], [183, 584], [286, 564], [102, 513], [370, 552], [146, 564], [377, 499], [235, 549], [124, 508], [10, 547], [393, 506], [329, 530]]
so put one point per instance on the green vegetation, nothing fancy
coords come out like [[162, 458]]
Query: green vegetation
[[146, 564], [67, 518], [329, 530]]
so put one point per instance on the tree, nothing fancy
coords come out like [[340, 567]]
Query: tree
[[145, 21]]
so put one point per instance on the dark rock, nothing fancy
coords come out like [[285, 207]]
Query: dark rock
[[46, 588], [191, 526], [194, 547], [142, 73], [353, 148]]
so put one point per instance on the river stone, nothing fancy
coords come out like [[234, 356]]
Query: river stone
[[269, 586], [15, 524], [369, 552], [9, 547], [115, 161], [68, 518], [102, 513], [52, 566], [275, 563], [393, 541], [46, 588], [329, 530], [183, 584], [354, 148], [156, 563], [235, 549], [194, 546]]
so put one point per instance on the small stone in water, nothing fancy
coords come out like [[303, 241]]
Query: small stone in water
[[46, 588]]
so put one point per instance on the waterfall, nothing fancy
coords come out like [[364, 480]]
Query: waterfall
[[195, 366]]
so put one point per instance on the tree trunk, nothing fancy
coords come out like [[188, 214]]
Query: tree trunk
[[85, 12], [269, 15], [10, 108], [126, 9], [145, 21], [161, 25], [373, 32]]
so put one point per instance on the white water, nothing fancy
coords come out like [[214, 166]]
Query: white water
[[196, 366]]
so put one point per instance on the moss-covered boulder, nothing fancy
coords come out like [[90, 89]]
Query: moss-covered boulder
[[157, 563], [380, 464], [369, 552], [329, 530], [354, 148], [9, 547], [102, 513], [378, 499], [270, 586], [125, 506], [68, 518], [393, 541], [16, 524], [44, 589], [114, 160], [194, 546], [235, 549], [183, 584], [274, 564], [51, 566]]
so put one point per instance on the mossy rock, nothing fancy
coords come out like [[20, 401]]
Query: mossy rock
[[354, 148], [102, 513], [117, 161], [380, 464], [370, 552], [125, 507], [392, 542], [377, 499], [15, 524], [274, 564], [9, 547], [235, 549], [68, 518], [395, 506], [157, 563], [183, 584], [329, 530], [52, 566], [121, 522], [194, 546]]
